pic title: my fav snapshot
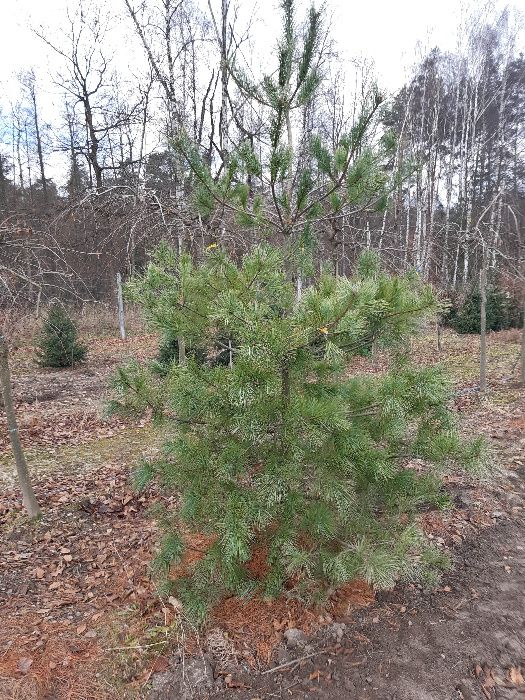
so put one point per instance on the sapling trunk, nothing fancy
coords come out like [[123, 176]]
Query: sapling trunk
[[28, 496]]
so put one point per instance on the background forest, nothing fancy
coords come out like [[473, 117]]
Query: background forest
[[452, 180]]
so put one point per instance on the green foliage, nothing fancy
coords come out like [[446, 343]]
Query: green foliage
[[58, 345], [168, 352], [283, 451], [218, 354], [502, 311]]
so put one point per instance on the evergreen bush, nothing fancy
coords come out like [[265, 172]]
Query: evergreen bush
[[284, 453], [502, 311], [58, 345], [280, 454]]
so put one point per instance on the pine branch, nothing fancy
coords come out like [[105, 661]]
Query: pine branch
[[340, 180]]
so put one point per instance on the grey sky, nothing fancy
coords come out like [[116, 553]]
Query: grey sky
[[385, 30], [394, 34]]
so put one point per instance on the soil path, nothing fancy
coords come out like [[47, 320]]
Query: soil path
[[467, 641]]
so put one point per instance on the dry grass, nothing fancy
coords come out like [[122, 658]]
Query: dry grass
[[94, 321]]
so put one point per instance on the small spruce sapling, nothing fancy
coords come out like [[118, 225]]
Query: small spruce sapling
[[501, 309], [58, 344], [284, 452]]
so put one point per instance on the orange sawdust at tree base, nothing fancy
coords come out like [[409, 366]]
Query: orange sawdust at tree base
[[255, 626], [352, 596]]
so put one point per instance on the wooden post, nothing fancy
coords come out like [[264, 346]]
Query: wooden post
[[299, 288], [28, 495], [120, 307], [181, 343], [522, 372], [483, 324]]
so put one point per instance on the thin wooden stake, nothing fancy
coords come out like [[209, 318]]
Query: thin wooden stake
[[483, 324], [120, 307], [522, 373], [28, 495], [181, 343]]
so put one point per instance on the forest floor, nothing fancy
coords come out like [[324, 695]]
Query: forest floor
[[80, 618]]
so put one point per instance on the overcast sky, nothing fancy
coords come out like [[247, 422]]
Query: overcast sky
[[393, 33], [385, 30]]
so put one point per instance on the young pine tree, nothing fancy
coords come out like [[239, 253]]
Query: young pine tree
[[279, 451], [58, 345], [284, 452]]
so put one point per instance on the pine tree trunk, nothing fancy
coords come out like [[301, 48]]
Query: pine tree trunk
[[29, 498]]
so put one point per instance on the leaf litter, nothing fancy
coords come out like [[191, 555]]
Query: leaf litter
[[79, 580]]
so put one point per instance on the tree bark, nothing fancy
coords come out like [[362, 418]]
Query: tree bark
[[39, 143], [28, 496], [522, 371]]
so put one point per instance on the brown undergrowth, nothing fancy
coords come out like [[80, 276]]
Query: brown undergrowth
[[78, 605]]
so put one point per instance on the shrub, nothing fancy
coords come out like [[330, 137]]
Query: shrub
[[502, 311], [58, 345], [283, 454]]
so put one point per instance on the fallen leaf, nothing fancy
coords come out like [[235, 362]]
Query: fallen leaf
[[516, 676], [232, 683], [81, 629], [177, 605], [24, 664], [160, 665]]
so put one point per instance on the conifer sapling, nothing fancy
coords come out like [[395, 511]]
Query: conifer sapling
[[58, 344], [286, 452]]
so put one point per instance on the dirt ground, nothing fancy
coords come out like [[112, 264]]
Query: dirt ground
[[464, 640], [81, 619]]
